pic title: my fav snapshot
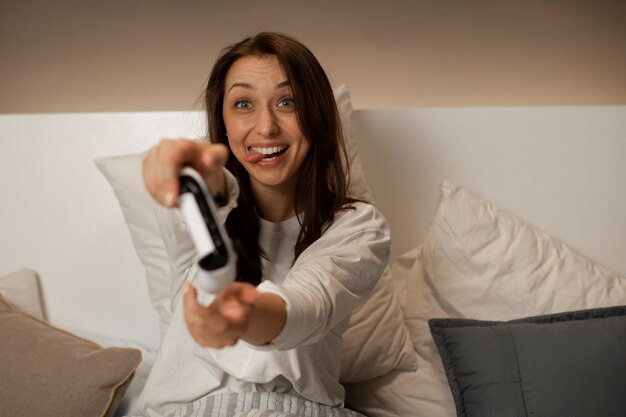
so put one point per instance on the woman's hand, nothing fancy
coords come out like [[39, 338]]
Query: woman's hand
[[163, 163], [225, 320], [238, 312]]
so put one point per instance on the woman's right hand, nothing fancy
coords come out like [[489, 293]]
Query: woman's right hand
[[163, 163]]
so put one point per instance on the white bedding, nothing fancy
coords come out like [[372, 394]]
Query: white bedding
[[560, 169]]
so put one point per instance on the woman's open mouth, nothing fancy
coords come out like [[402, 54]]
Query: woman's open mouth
[[258, 154]]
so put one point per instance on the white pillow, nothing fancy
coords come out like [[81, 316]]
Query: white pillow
[[22, 289], [480, 262], [359, 188], [364, 356], [124, 174]]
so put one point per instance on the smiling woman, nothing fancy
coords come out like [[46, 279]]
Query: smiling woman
[[294, 104], [263, 132], [309, 253]]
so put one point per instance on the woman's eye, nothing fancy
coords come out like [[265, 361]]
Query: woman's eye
[[242, 104], [286, 103]]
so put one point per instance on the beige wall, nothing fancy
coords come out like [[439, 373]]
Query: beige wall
[[133, 55]]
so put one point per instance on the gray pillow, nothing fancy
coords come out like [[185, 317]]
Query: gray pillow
[[567, 364]]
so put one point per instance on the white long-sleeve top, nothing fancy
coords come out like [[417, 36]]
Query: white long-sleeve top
[[328, 280]]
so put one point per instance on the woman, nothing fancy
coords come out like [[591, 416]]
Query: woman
[[308, 253]]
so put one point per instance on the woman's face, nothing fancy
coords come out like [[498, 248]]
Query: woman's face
[[261, 122]]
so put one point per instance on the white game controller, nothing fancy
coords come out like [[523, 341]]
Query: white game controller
[[217, 261]]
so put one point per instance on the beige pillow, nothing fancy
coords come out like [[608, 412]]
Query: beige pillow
[[49, 372], [398, 392], [359, 188], [363, 356], [376, 341], [23, 290]]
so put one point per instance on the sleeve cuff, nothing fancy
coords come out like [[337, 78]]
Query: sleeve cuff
[[281, 341], [232, 194]]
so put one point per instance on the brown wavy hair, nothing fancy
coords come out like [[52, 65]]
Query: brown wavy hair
[[322, 182]]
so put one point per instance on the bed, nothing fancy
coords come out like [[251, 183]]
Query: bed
[[507, 224]]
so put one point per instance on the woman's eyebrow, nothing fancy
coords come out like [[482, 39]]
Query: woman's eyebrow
[[242, 85], [251, 87]]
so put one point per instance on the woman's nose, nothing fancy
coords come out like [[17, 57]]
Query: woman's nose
[[266, 124]]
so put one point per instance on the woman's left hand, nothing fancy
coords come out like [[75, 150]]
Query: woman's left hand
[[224, 321]]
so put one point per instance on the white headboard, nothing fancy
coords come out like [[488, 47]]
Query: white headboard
[[561, 169]]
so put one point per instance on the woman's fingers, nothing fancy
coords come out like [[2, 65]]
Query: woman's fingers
[[212, 158], [243, 292], [163, 163], [236, 303], [206, 327], [161, 174], [225, 320]]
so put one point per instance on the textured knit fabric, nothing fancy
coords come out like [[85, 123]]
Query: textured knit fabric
[[259, 404]]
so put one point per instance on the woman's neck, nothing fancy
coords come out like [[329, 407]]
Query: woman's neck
[[274, 203]]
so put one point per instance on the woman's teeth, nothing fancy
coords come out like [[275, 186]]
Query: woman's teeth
[[257, 153], [268, 151]]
